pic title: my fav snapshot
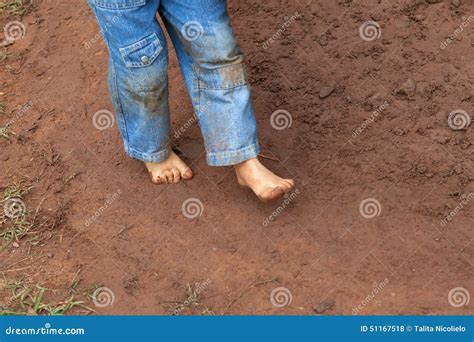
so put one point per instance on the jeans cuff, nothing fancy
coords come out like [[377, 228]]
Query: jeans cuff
[[149, 157], [234, 157]]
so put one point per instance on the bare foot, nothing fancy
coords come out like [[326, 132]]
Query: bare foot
[[264, 183], [171, 170]]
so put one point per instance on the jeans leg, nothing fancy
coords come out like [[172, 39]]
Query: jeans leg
[[138, 78], [215, 73]]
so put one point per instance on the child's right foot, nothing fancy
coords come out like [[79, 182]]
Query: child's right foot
[[171, 170]]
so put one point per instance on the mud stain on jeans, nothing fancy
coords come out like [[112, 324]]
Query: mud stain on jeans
[[152, 102]]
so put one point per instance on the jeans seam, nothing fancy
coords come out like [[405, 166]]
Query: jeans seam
[[230, 157], [119, 103]]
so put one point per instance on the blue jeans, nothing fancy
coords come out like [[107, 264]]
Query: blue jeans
[[211, 62]]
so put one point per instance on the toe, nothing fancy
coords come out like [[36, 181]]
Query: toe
[[272, 194], [168, 175], [186, 173], [176, 175], [156, 180], [288, 184]]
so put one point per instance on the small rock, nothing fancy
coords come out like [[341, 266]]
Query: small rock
[[324, 306], [407, 88], [15, 244], [4, 158], [419, 17], [326, 91], [456, 3], [400, 131], [458, 169], [323, 40]]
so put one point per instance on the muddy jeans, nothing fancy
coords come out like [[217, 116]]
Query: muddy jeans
[[212, 65]]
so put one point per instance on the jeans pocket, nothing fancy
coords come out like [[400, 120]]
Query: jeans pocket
[[142, 53], [118, 4]]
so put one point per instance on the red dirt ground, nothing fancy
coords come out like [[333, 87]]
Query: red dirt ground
[[319, 247]]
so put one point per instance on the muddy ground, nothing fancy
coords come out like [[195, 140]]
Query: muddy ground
[[381, 221]]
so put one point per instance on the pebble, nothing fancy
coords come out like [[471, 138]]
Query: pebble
[[323, 40], [324, 306], [408, 88], [326, 91]]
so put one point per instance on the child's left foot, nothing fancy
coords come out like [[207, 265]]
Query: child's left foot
[[264, 183]]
